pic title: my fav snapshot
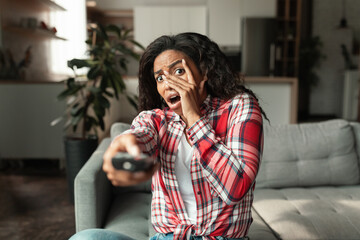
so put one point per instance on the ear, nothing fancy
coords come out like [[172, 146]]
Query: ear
[[203, 81], [205, 78]]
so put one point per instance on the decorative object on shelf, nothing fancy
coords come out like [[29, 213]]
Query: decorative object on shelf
[[11, 70], [30, 22], [88, 96], [45, 27]]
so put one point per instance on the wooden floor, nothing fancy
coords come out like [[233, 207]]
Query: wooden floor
[[34, 202]]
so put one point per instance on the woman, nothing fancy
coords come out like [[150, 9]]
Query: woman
[[205, 128]]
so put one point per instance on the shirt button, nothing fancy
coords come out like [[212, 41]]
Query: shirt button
[[198, 192]]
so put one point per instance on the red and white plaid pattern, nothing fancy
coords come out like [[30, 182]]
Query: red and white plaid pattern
[[228, 141]]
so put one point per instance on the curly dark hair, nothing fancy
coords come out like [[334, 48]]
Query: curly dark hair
[[223, 82]]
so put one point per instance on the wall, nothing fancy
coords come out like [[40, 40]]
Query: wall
[[326, 97], [27, 110], [224, 17]]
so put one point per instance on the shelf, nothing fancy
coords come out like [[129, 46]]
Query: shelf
[[52, 5], [36, 32], [126, 13]]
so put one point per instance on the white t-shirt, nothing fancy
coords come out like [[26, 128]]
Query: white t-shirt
[[182, 172]]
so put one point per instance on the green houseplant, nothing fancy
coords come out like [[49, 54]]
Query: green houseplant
[[87, 96], [310, 58]]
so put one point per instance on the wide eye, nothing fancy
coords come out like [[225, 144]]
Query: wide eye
[[179, 71], [159, 78]]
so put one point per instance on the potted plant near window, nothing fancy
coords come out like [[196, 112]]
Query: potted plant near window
[[87, 96]]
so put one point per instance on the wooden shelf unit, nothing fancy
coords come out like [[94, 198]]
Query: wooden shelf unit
[[288, 37], [36, 32], [123, 17], [20, 31], [52, 5]]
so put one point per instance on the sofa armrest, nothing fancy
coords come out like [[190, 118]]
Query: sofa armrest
[[117, 128], [93, 191]]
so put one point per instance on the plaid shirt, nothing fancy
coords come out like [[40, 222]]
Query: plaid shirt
[[228, 142]]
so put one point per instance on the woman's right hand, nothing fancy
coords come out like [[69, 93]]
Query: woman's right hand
[[125, 143]]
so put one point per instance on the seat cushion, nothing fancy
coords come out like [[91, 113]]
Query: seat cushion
[[129, 214], [311, 213], [311, 154], [259, 230]]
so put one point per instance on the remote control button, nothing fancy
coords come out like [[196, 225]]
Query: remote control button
[[127, 165]]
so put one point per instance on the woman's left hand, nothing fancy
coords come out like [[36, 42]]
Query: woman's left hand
[[191, 92]]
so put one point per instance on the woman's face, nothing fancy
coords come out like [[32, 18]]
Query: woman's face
[[171, 62]]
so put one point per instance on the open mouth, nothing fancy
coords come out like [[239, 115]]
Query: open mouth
[[174, 99]]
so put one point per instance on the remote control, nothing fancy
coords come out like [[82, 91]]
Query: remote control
[[125, 161]]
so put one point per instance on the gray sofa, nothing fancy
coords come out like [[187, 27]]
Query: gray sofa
[[307, 187]]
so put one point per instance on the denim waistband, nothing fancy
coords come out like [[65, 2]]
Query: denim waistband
[[169, 236]]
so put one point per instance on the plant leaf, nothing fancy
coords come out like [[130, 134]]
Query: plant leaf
[[94, 72], [94, 90], [103, 101], [75, 111], [132, 102], [109, 94], [56, 121], [79, 63], [113, 28], [137, 44]]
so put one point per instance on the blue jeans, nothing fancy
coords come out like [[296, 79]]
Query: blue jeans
[[169, 236], [99, 234], [103, 234]]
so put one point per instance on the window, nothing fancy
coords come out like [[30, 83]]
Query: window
[[70, 24]]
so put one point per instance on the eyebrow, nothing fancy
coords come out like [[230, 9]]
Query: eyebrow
[[170, 66]]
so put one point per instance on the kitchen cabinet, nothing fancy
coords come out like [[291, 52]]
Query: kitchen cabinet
[[278, 96], [225, 18]]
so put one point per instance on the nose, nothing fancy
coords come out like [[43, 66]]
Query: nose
[[167, 87]]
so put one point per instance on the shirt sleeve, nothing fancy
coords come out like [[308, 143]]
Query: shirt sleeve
[[231, 166], [145, 129]]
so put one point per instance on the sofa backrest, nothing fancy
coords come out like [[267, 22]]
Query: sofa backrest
[[356, 129], [310, 154]]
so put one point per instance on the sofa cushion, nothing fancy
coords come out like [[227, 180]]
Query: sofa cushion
[[311, 154], [356, 130], [130, 214], [259, 230], [311, 213]]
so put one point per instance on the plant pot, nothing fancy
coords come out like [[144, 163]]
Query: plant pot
[[77, 152]]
